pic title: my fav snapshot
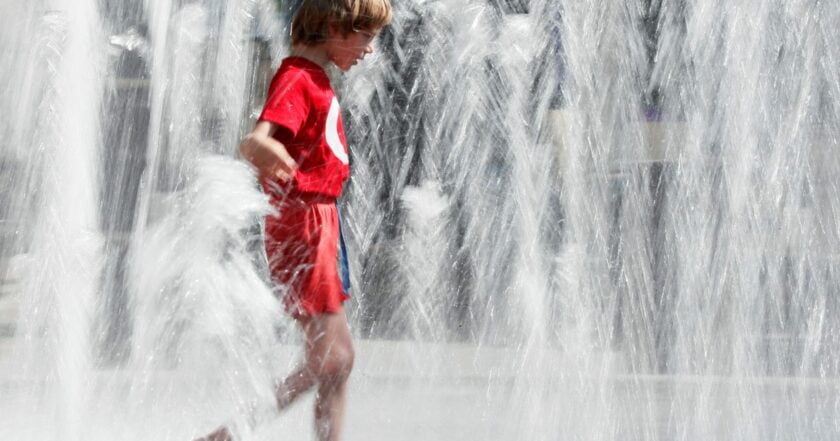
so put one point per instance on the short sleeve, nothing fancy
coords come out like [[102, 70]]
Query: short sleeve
[[287, 104]]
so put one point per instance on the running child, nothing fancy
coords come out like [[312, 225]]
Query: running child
[[299, 150]]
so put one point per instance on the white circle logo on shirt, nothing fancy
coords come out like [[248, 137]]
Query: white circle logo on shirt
[[333, 140]]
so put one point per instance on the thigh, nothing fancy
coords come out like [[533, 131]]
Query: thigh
[[326, 335]]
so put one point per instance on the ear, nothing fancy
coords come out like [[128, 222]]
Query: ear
[[334, 30]]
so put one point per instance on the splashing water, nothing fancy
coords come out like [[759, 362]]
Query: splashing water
[[607, 220]]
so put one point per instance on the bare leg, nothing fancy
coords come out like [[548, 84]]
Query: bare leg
[[298, 382], [329, 410], [329, 360], [303, 378], [220, 434]]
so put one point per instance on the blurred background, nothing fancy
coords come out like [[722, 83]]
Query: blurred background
[[566, 220]]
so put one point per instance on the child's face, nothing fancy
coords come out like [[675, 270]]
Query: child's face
[[345, 50]]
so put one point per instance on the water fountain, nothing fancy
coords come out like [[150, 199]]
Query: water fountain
[[567, 220]]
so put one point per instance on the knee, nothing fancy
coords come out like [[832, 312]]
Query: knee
[[337, 363], [340, 362]]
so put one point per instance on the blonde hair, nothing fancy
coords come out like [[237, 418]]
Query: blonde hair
[[314, 17]]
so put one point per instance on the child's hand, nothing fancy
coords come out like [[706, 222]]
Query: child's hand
[[268, 155]]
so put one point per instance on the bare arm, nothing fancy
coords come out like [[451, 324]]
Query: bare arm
[[268, 155]]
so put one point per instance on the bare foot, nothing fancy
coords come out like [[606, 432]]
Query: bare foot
[[220, 434]]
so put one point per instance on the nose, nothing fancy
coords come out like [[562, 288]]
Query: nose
[[369, 49]]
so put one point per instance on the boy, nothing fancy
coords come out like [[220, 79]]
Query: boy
[[298, 149]]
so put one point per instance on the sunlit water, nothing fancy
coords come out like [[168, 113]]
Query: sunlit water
[[609, 220]]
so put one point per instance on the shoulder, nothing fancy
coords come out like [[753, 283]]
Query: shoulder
[[293, 83], [297, 70], [292, 77], [303, 84]]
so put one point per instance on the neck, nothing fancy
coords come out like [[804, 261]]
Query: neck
[[315, 54]]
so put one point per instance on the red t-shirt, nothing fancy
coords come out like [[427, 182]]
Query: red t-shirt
[[302, 103]]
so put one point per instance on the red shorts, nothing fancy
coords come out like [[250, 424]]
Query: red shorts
[[302, 246]]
